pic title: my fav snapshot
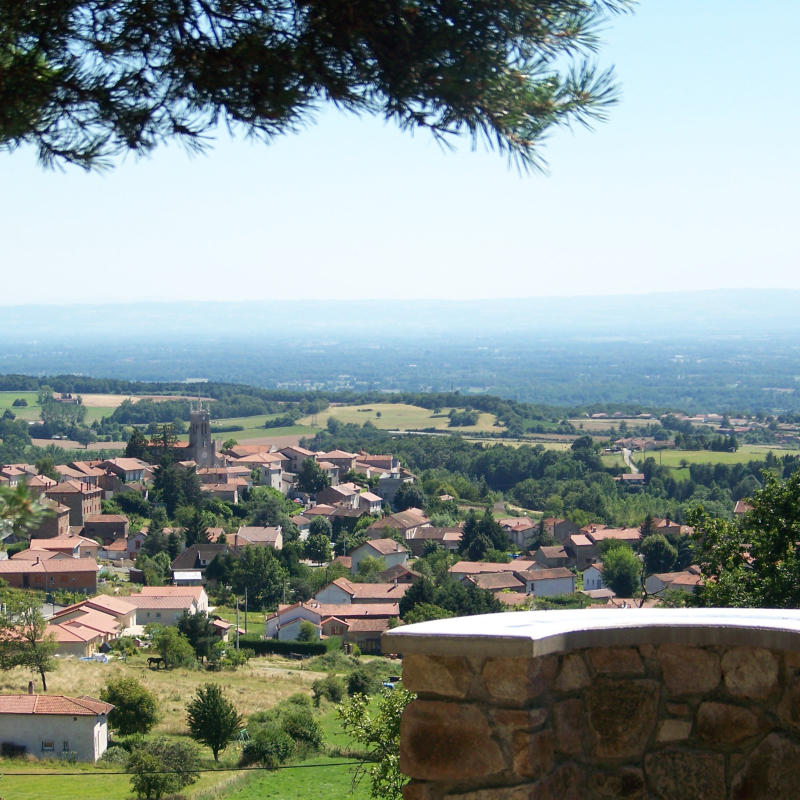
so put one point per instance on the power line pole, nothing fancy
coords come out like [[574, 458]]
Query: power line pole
[[245, 609], [237, 622]]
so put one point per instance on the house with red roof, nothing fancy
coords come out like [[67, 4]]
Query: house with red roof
[[49, 726]]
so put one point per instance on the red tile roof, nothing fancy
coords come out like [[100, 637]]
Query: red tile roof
[[53, 704]]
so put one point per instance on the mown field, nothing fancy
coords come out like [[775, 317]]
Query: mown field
[[400, 417], [673, 458], [259, 686]]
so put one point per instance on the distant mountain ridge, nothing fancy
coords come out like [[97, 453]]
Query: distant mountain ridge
[[667, 315]]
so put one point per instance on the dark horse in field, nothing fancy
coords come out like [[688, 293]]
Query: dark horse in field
[[158, 661]]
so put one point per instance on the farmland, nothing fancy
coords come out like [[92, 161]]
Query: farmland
[[400, 417], [673, 458]]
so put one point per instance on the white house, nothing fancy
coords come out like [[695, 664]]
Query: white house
[[45, 726], [548, 582], [389, 550], [593, 577], [285, 615], [343, 592], [198, 593], [162, 610], [290, 632]]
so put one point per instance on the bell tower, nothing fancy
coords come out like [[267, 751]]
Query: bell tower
[[200, 435]]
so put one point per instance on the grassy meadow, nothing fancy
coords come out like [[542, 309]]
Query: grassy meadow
[[673, 458], [400, 417]]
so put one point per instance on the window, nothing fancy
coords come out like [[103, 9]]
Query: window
[[66, 747], [48, 746], [158, 615]]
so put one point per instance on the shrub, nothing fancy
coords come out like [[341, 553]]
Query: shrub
[[330, 688], [300, 725], [300, 699], [269, 746], [212, 718], [115, 754], [262, 647], [360, 682]]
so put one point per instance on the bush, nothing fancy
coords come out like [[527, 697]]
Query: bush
[[300, 725], [360, 682], [300, 699], [115, 754], [269, 746], [330, 688], [262, 647]]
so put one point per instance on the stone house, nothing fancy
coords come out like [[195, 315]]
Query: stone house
[[82, 499], [106, 527]]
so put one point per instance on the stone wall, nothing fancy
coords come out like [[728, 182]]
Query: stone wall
[[668, 722]]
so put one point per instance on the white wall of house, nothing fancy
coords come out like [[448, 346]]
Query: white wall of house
[[552, 586], [301, 612], [85, 735], [390, 559], [291, 632], [161, 616], [593, 579], [653, 584], [334, 595]]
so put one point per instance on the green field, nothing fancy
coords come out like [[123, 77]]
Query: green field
[[399, 417], [30, 412], [673, 458], [254, 429], [329, 781], [613, 460]]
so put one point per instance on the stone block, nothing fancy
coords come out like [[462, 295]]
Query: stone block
[[617, 660], [689, 670], [679, 775], [501, 793], [750, 672], [569, 721], [722, 723], [447, 741], [447, 676], [624, 784], [574, 675], [533, 753], [517, 680], [772, 772], [792, 660], [524, 720], [674, 730], [622, 715], [789, 708], [567, 782], [417, 791], [678, 709]]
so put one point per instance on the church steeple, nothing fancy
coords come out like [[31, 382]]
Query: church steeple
[[200, 441]]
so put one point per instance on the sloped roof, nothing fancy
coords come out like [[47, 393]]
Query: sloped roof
[[497, 580], [53, 704], [172, 591], [546, 574], [181, 601], [385, 546]]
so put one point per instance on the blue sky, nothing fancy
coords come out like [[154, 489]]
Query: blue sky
[[692, 184]]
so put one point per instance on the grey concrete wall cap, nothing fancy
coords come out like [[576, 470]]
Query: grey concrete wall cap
[[540, 633]]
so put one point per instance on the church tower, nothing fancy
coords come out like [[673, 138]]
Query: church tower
[[200, 442]]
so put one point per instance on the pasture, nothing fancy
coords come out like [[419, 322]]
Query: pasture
[[673, 458], [400, 417]]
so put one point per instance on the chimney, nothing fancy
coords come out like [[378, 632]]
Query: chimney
[[30, 687]]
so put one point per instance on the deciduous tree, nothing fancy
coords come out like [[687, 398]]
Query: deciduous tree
[[135, 708], [212, 718]]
